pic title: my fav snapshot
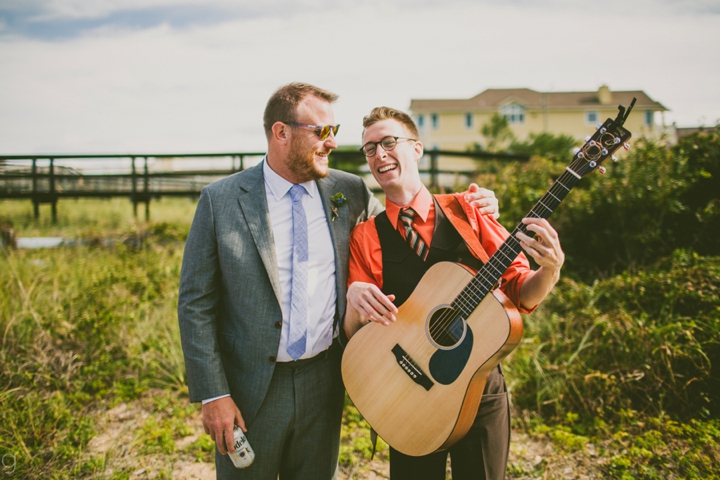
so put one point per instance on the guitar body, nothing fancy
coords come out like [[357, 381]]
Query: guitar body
[[419, 381]]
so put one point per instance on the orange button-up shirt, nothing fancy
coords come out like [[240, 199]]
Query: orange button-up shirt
[[366, 251]]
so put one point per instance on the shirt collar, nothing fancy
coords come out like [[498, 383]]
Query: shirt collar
[[279, 187], [421, 204]]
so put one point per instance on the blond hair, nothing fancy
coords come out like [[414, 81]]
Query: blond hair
[[384, 113]]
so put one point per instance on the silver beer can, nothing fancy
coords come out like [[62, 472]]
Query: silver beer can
[[243, 455]]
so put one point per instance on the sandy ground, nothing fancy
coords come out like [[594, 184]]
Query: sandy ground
[[530, 457]]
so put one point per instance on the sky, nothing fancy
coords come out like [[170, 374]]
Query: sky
[[162, 76]]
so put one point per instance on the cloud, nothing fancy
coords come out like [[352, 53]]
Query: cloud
[[66, 19], [203, 86]]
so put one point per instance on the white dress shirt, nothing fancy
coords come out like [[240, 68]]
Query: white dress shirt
[[321, 262]]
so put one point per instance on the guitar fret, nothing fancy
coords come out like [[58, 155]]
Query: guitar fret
[[562, 185], [575, 174], [488, 276], [556, 198]]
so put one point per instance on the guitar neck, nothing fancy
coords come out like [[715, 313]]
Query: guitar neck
[[608, 138], [488, 276]]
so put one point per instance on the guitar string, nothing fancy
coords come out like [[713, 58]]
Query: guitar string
[[476, 290], [473, 293]]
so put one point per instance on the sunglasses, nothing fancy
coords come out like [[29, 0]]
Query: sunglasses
[[322, 131]]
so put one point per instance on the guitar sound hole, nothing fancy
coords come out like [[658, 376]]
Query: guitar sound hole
[[446, 327]]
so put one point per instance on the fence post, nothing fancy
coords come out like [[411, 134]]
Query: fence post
[[147, 192], [133, 177], [36, 203], [433, 169], [53, 196]]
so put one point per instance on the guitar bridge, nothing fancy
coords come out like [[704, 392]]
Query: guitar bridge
[[411, 368]]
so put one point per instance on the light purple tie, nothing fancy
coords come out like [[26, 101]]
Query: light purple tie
[[298, 298]]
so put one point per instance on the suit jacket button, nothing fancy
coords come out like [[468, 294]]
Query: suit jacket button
[[272, 358], [278, 324]]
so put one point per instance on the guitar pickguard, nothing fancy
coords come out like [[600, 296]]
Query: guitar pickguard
[[447, 365]]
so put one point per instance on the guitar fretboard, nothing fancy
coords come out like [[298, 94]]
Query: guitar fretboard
[[490, 273]]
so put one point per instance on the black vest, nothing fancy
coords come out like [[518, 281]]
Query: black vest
[[403, 269]]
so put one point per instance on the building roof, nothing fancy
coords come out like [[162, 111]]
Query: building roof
[[494, 98]]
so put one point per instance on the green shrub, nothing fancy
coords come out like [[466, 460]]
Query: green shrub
[[81, 327], [646, 342], [652, 202]]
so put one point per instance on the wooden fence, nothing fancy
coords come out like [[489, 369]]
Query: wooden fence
[[45, 179]]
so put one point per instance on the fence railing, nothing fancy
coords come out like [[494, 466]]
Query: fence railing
[[45, 179]]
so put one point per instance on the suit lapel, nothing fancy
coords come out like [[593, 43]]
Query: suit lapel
[[339, 224], [253, 202], [339, 231]]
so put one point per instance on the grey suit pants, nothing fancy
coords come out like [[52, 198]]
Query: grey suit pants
[[296, 433]]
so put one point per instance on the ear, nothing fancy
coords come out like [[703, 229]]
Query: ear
[[281, 133], [419, 151]]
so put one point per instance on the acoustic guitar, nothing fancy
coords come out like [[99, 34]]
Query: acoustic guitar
[[419, 381]]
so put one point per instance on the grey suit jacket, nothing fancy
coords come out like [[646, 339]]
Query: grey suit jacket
[[229, 300]]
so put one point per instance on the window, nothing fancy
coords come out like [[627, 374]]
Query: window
[[513, 113], [435, 121], [649, 117], [421, 121], [468, 120], [591, 118]]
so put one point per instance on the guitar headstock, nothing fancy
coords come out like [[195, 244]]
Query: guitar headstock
[[610, 136]]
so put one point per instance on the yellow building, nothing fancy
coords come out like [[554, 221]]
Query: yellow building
[[449, 124]]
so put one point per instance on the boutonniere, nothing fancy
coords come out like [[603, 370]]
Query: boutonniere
[[338, 200]]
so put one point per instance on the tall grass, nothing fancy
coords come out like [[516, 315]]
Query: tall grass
[[82, 327], [87, 217]]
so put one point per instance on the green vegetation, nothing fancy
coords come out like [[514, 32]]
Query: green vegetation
[[622, 359], [626, 350], [83, 328]]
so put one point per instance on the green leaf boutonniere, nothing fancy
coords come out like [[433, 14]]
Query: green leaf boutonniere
[[338, 200]]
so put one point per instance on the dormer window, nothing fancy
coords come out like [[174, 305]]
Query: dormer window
[[513, 113]]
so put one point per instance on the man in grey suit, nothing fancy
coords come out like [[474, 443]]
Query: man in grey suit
[[262, 290]]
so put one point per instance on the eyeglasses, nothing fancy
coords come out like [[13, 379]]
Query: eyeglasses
[[322, 131], [388, 144]]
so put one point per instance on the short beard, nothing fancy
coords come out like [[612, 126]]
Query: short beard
[[301, 163]]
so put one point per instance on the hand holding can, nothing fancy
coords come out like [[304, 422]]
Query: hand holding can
[[244, 454]]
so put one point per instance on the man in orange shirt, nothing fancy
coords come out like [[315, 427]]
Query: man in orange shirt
[[384, 271]]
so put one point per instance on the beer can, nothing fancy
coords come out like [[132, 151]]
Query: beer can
[[243, 455]]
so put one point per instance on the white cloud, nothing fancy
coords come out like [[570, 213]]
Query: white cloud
[[204, 87]]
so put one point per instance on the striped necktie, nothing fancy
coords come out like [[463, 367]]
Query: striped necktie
[[411, 235]]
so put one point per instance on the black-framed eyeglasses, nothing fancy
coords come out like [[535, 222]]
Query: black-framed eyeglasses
[[322, 131], [388, 143]]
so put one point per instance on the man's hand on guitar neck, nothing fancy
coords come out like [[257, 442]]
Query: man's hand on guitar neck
[[545, 249], [366, 303]]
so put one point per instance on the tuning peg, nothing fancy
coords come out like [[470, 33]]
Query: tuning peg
[[626, 146], [601, 169], [575, 151], [614, 158], [598, 125], [587, 139]]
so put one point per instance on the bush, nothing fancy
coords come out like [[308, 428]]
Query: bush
[[646, 342], [656, 200]]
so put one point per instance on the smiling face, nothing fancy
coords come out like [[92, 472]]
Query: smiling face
[[307, 156], [396, 171]]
